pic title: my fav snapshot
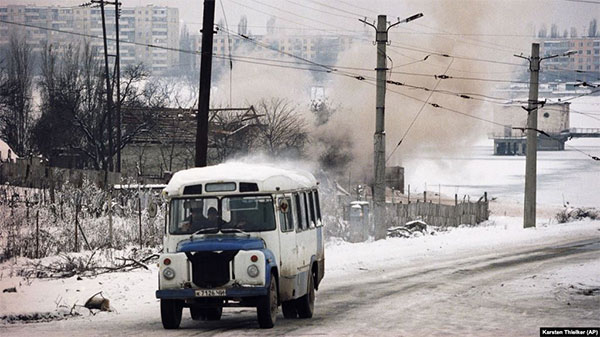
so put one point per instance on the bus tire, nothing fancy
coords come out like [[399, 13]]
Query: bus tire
[[289, 309], [306, 304], [170, 313], [266, 308]]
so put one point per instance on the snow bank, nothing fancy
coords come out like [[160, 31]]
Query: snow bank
[[499, 233]]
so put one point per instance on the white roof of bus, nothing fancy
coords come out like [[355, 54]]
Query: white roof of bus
[[267, 177]]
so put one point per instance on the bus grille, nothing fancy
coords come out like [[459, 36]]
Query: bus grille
[[211, 269]]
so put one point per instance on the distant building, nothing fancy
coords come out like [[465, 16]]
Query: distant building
[[586, 59], [553, 118], [156, 25], [316, 48]]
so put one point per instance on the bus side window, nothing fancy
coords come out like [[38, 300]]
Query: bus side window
[[300, 210], [286, 219], [306, 210], [311, 203], [318, 208]]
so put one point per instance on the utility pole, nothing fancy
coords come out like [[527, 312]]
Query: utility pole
[[531, 159], [205, 77], [529, 211], [118, 85], [108, 92], [381, 38]]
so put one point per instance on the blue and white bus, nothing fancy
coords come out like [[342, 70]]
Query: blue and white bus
[[241, 235]]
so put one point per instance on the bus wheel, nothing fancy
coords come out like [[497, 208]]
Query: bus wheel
[[306, 304], [266, 309], [170, 313], [289, 309]]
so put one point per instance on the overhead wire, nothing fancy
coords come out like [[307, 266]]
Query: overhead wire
[[417, 115], [326, 69], [338, 9], [229, 49], [321, 11], [435, 105], [296, 14]]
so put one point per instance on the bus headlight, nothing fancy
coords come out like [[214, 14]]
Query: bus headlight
[[252, 270], [169, 273]]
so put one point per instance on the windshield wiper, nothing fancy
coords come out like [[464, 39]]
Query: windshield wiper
[[230, 230], [202, 230]]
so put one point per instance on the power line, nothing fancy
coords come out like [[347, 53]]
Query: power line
[[417, 115], [321, 11], [435, 105], [357, 7], [448, 77], [229, 49], [338, 9], [425, 51], [296, 14], [585, 1]]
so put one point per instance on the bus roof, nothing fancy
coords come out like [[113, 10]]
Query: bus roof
[[267, 178]]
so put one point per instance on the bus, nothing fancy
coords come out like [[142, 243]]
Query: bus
[[241, 235]]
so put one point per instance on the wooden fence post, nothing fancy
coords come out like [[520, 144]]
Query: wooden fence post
[[76, 224], [37, 234], [140, 217], [110, 219]]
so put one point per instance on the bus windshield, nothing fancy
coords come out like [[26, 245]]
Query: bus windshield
[[231, 213]]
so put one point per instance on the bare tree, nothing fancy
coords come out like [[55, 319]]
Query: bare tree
[[74, 118], [283, 129], [16, 82]]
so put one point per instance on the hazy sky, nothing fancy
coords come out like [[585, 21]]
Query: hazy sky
[[470, 30], [500, 16]]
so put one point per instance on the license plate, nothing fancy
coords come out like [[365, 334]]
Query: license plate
[[210, 292]]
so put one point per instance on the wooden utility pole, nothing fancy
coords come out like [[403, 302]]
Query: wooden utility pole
[[381, 38], [205, 83], [108, 91], [118, 85]]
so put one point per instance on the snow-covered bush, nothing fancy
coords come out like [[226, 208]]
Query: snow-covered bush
[[34, 226], [573, 214]]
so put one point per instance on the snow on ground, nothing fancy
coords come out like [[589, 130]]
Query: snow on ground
[[130, 292]]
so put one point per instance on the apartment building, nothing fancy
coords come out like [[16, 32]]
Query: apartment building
[[586, 59], [143, 25], [316, 48]]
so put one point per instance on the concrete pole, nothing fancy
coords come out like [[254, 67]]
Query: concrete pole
[[531, 159], [379, 186]]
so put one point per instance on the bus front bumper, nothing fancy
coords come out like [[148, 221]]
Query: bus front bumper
[[188, 293]]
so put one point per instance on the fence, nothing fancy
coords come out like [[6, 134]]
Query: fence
[[32, 225], [31, 173], [468, 213]]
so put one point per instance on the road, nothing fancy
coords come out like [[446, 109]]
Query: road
[[479, 293]]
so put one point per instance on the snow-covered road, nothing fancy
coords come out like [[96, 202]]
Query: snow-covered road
[[490, 281]]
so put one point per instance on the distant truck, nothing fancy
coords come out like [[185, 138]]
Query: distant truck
[[241, 235]]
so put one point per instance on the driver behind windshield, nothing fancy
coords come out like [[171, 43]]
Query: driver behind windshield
[[194, 221]]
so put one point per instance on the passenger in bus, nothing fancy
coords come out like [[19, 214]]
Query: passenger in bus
[[213, 219], [193, 222]]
